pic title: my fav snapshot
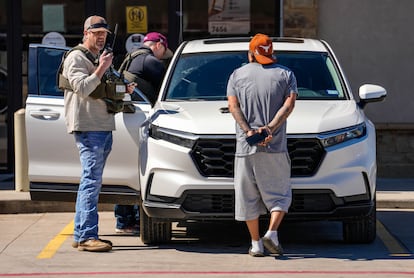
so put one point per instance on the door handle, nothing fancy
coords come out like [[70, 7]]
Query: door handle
[[47, 115]]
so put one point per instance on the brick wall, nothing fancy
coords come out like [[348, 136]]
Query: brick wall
[[300, 18], [395, 152]]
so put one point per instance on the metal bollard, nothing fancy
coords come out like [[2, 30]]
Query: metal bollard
[[20, 154]]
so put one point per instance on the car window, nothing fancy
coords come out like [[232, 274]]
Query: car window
[[315, 73], [48, 64], [204, 76]]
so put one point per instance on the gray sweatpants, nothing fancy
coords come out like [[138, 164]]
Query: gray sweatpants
[[261, 183]]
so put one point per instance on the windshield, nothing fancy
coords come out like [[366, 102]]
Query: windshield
[[203, 76]]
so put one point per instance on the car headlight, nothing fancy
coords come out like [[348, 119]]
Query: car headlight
[[340, 136], [184, 139]]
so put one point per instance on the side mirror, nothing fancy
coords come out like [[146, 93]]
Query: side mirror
[[371, 93]]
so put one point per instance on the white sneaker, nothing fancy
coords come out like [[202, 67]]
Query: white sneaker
[[257, 251]]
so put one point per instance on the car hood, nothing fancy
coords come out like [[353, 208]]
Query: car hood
[[198, 117], [212, 117], [311, 116]]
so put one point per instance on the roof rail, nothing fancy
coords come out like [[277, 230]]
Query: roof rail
[[247, 39], [285, 39], [226, 40]]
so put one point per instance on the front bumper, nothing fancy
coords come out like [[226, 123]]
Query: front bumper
[[219, 205]]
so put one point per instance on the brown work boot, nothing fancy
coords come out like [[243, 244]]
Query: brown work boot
[[75, 244], [94, 245]]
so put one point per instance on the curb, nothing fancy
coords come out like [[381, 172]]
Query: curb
[[395, 200], [14, 202], [27, 206]]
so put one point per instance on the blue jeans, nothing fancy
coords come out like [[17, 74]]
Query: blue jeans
[[94, 148], [127, 216]]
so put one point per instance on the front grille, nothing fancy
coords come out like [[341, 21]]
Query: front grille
[[306, 155], [215, 157]]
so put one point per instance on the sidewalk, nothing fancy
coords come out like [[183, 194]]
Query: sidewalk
[[12, 201], [395, 193], [391, 193]]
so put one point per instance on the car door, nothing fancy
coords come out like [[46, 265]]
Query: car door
[[54, 165]]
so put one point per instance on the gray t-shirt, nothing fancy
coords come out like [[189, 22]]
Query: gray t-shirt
[[261, 91]]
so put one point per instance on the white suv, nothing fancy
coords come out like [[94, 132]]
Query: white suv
[[187, 151], [176, 159]]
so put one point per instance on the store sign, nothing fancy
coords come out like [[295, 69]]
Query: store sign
[[137, 19], [229, 16], [133, 42], [54, 38]]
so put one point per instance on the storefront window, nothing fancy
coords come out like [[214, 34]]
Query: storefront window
[[215, 18], [200, 19], [136, 17], [65, 17]]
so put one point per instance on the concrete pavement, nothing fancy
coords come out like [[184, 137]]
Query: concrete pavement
[[391, 193]]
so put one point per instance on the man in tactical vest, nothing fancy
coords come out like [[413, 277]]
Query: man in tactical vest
[[89, 120], [145, 67]]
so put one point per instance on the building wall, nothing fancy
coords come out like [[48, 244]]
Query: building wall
[[300, 18], [395, 149], [373, 41]]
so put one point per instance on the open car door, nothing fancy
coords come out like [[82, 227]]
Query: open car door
[[54, 166]]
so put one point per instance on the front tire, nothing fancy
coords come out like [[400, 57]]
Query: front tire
[[152, 231], [361, 229]]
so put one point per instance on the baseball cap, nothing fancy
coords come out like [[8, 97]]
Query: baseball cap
[[157, 37], [96, 23], [262, 48]]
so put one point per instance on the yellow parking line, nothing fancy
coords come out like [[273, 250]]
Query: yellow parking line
[[56, 242], [392, 244]]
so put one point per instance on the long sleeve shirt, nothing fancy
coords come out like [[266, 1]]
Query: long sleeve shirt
[[84, 113]]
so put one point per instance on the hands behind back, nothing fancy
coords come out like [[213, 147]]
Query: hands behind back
[[260, 130], [268, 137]]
